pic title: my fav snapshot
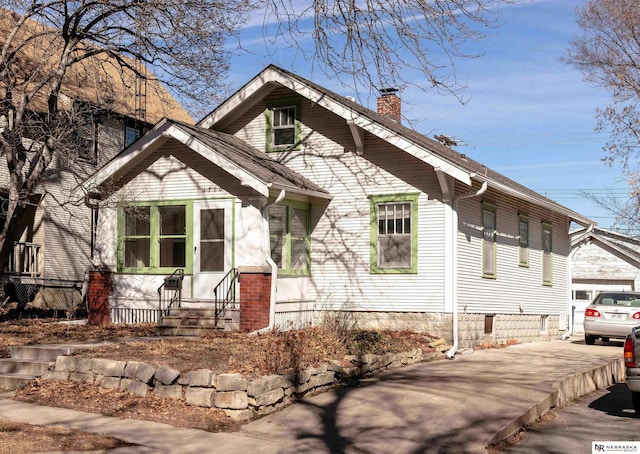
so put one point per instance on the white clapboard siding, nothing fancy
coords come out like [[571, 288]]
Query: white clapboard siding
[[66, 248], [591, 263], [340, 240], [169, 179], [515, 288]]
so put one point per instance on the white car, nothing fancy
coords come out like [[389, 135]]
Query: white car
[[611, 314]]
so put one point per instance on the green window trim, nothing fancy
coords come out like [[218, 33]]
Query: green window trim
[[268, 114], [489, 241], [523, 243], [375, 202], [286, 268], [547, 254], [154, 237]]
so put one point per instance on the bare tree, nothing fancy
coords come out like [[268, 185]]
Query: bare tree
[[607, 52], [381, 43], [52, 50]]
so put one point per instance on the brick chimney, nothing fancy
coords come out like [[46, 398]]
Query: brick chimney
[[389, 104]]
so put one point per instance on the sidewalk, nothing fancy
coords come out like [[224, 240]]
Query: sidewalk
[[434, 407]]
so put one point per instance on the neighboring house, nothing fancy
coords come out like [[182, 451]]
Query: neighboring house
[[362, 216], [53, 246], [601, 260]]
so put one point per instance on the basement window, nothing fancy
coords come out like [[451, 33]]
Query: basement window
[[488, 323], [544, 323]]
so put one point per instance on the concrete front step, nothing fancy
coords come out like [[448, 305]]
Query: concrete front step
[[14, 380], [205, 322], [28, 362], [40, 352], [202, 312], [191, 330], [24, 366], [197, 321]]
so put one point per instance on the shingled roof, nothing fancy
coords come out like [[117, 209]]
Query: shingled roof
[[256, 162], [274, 75], [227, 151], [99, 80]]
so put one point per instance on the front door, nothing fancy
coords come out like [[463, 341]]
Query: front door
[[212, 225]]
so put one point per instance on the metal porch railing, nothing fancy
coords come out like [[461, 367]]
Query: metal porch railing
[[170, 293], [225, 293]]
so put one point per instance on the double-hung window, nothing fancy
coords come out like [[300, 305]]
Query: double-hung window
[[488, 241], [394, 234], [289, 237], [154, 237], [547, 250], [523, 241], [283, 124], [137, 237]]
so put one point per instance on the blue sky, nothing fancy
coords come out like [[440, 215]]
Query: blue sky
[[529, 116]]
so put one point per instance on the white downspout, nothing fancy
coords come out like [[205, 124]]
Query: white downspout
[[274, 268], [454, 348]]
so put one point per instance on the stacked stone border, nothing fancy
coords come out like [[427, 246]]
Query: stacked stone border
[[238, 397]]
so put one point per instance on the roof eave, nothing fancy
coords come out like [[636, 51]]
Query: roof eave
[[539, 201], [301, 191], [272, 75]]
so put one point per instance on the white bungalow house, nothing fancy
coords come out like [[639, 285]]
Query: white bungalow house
[[601, 260], [355, 213]]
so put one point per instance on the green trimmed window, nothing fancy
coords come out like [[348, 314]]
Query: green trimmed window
[[283, 127], [394, 234], [289, 235], [489, 252], [154, 237], [523, 241], [547, 252]]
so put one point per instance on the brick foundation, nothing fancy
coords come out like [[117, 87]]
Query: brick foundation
[[98, 297], [255, 297]]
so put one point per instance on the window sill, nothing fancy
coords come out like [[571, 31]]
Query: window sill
[[393, 271], [294, 273], [153, 271], [297, 147]]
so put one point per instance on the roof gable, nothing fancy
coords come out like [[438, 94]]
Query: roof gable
[[249, 166], [623, 246], [443, 159]]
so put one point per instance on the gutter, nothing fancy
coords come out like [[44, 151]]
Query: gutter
[[454, 309], [274, 269]]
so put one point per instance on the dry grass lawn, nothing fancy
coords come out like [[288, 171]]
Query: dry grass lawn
[[226, 352]]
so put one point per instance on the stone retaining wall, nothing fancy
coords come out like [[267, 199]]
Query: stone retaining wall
[[239, 397]]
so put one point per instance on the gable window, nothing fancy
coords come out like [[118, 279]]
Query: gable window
[[523, 240], [154, 237], [289, 237], [283, 124], [394, 234], [132, 133], [547, 251], [488, 241]]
